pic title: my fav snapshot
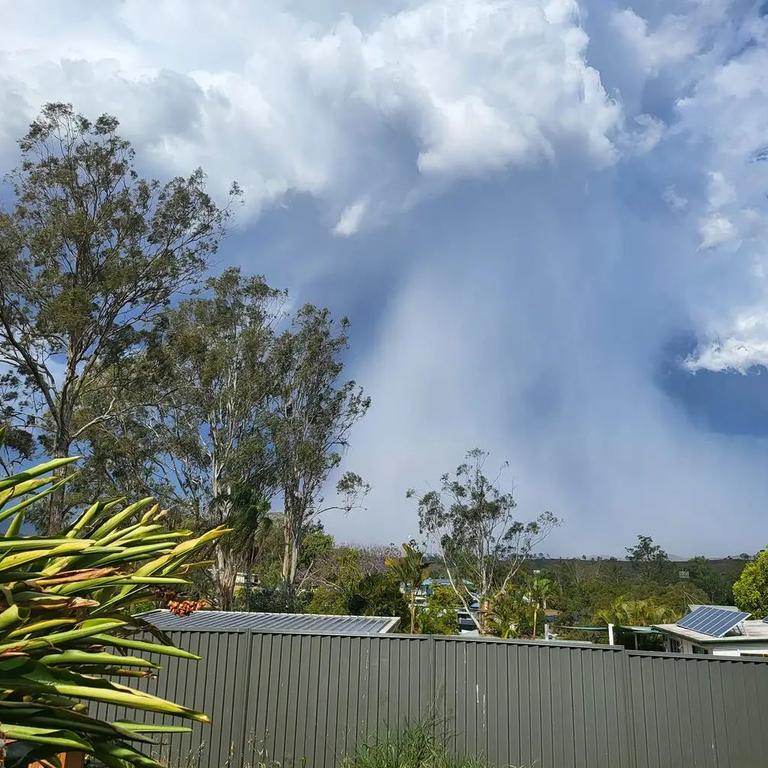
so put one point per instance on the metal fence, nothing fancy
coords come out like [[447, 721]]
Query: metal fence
[[310, 699]]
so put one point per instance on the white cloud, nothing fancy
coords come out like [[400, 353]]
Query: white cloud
[[745, 347], [350, 219], [674, 200], [476, 85], [720, 192], [716, 230], [671, 42], [650, 133], [675, 38]]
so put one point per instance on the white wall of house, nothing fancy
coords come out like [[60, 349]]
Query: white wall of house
[[733, 649], [680, 645]]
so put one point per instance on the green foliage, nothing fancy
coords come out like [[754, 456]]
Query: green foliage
[[640, 612], [680, 595], [592, 592], [90, 254], [751, 589], [717, 586], [415, 747], [411, 569], [538, 590], [212, 430], [66, 623], [651, 561], [508, 615], [470, 521], [439, 614], [378, 594], [314, 412], [344, 585], [338, 585], [315, 562]]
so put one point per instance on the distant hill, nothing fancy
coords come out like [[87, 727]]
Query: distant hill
[[728, 566]]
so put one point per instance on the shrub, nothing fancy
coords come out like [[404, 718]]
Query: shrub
[[66, 626], [751, 589], [440, 614]]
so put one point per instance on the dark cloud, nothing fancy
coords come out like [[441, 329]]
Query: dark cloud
[[522, 206]]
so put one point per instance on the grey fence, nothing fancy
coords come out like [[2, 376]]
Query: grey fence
[[304, 699]]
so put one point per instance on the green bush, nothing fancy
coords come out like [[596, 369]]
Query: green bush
[[751, 589], [439, 615]]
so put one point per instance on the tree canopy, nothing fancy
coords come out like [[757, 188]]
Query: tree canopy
[[471, 522], [751, 589], [314, 411], [90, 254]]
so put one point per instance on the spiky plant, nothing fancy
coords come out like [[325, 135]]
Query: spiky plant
[[66, 626]]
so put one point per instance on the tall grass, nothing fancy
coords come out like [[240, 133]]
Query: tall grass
[[414, 747]]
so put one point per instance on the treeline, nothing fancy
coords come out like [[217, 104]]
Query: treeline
[[573, 597], [117, 344]]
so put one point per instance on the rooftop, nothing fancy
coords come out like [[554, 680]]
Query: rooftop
[[240, 621], [753, 631]]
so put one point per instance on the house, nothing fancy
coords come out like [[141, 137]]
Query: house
[[427, 587], [716, 630]]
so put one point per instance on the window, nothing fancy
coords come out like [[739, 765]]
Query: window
[[674, 645], [700, 649]]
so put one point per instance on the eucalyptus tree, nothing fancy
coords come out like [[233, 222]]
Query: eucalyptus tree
[[650, 560], [470, 521], [313, 412], [90, 254], [212, 429]]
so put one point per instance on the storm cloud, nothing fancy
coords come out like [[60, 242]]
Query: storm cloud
[[545, 219]]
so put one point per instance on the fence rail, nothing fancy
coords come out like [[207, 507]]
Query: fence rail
[[310, 699]]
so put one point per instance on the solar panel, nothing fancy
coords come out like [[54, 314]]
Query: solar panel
[[712, 621]]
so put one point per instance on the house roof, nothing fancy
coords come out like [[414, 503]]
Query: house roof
[[240, 621], [755, 631]]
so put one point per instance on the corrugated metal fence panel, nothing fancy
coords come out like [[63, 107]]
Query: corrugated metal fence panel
[[710, 712], [542, 705], [318, 697], [309, 699], [216, 685]]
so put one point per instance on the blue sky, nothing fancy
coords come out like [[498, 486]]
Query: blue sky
[[545, 219]]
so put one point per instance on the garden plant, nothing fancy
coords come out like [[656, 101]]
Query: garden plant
[[66, 629]]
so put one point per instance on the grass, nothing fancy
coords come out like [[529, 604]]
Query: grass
[[414, 747]]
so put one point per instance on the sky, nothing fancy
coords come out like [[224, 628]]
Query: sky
[[546, 220]]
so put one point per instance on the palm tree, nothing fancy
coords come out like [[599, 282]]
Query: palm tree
[[539, 590], [411, 569], [503, 617], [251, 525], [628, 612]]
